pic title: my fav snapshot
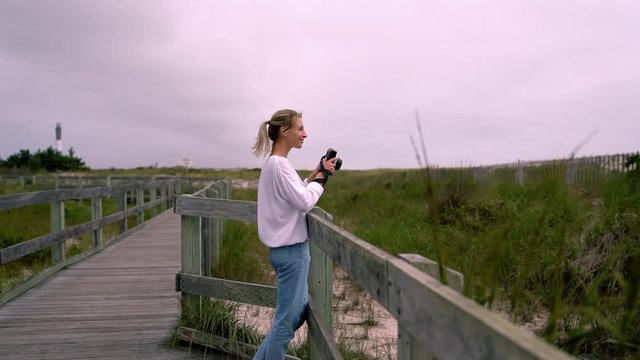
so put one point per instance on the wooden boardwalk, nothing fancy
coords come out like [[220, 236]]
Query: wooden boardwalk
[[118, 304]]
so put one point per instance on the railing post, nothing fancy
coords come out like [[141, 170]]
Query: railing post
[[215, 237], [191, 255], [171, 194], [320, 291], [57, 224], [207, 244], [140, 202], [163, 195], [152, 198], [408, 347], [123, 207], [96, 214]]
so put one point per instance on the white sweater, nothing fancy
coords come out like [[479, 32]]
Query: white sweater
[[283, 201]]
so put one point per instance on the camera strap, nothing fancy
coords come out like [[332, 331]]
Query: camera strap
[[325, 172]]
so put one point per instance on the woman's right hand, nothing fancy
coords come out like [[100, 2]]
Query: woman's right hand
[[330, 165]]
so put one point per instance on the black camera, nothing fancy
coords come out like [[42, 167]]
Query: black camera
[[330, 155]]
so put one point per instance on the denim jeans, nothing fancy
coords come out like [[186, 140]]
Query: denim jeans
[[291, 264]]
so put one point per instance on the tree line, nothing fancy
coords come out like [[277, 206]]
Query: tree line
[[48, 160]]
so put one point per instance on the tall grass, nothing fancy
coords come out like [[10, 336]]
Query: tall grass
[[567, 255], [570, 254], [542, 250]]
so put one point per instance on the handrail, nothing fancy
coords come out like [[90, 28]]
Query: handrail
[[28, 247], [59, 234], [442, 320], [40, 197]]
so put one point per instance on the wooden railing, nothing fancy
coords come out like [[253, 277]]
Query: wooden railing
[[85, 181], [430, 315], [150, 196]]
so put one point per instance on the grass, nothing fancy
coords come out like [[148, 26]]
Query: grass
[[570, 255], [216, 317]]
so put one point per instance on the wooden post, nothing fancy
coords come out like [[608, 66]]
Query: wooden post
[[123, 206], [206, 246], [320, 291], [33, 180], [152, 198], [191, 256], [170, 195], [408, 347], [227, 187], [108, 181], [163, 195], [570, 171], [96, 214], [216, 234], [57, 224], [520, 174], [140, 202], [225, 194]]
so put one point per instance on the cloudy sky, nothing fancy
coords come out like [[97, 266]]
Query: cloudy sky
[[138, 83]]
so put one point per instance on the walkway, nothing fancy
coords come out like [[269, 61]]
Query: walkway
[[118, 304]]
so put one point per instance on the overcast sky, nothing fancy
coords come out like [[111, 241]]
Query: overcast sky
[[135, 83]]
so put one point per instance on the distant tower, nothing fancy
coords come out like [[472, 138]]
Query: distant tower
[[58, 137]]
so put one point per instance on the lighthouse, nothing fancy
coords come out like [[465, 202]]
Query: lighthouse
[[58, 137]]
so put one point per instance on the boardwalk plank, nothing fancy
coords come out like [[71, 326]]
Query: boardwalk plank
[[118, 304]]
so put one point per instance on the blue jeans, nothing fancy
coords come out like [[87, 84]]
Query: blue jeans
[[291, 264]]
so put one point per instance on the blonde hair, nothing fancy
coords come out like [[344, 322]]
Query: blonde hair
[[270, 129]]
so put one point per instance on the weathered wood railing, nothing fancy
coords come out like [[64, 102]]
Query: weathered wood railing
[[85, 181], [160, 195], [435, 316]]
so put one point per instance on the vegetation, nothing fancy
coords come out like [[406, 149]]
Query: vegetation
[[43, 160], [570, 254], [567, 255]]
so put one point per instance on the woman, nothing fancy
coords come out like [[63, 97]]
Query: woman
[[283, 201]]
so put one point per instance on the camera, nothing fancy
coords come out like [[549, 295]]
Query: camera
[[330, 155]]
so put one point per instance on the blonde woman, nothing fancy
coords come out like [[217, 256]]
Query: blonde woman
[[283, 201]]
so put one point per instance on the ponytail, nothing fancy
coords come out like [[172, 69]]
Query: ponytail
[[262, 146], [269, 130]]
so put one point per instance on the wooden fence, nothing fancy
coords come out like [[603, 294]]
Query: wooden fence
[[430, 315], [574, 171], [582, 170], [149, 196]]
